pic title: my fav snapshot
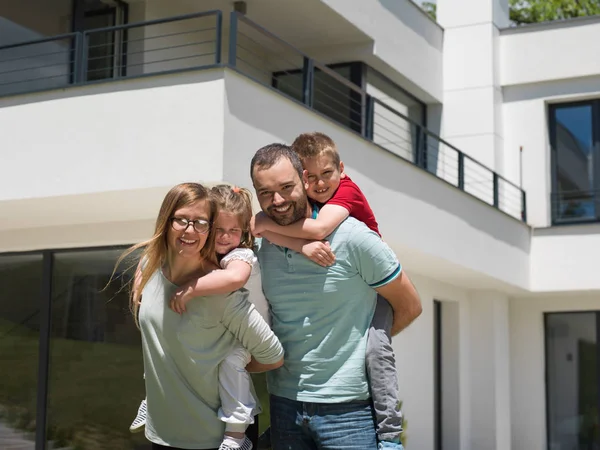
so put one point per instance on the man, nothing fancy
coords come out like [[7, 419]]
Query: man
[[320, 397]]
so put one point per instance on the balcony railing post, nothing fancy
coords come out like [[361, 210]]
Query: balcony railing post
[[496, 202], [77, 55], [308, 81], [219, 37], [523, 206], [233, 32], [369, 117], [84, 57], [420, 147], [461, 171]]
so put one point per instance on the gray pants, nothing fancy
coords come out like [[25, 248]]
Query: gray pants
[[381, 370]]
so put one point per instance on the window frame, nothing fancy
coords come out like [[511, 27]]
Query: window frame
[[547, 314], [556, 219]]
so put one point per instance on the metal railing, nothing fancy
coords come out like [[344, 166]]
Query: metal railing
[[193, 41], [260, 54], [575, 206], [104, 54]]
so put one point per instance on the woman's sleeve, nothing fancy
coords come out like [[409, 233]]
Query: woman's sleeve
[[243, 320]]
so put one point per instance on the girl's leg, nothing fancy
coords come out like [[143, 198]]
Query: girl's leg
[[237, 402], [383, 380], [139, 422]]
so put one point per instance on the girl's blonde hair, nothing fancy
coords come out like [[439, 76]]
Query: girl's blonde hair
[[237, 201], [154, 254]]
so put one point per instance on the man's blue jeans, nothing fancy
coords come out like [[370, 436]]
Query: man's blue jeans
[[322, 426]]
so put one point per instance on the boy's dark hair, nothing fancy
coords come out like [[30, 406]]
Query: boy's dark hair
[[269, 155], [309, 145]]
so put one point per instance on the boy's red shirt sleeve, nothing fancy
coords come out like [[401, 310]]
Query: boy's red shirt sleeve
[[349, 196]]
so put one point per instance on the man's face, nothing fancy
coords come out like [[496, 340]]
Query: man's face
[[280, 192]]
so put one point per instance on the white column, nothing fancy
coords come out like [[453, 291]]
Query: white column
[[485, 372], [472, 117]]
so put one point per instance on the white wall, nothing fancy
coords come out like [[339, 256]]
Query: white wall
[[551, 51], [407, 41], [565, 259], [528, 402], [393, 187], [117, 136]]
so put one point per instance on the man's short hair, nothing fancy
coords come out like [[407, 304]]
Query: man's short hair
[[269, 155], [309, 145]]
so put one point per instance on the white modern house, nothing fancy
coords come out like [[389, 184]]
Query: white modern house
[[476, 142]]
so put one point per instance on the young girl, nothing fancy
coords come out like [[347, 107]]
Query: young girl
[[240, 269]]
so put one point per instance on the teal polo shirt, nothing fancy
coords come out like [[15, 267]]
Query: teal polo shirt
[[321, 315]]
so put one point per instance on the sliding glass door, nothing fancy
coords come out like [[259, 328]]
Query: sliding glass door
[[573, 380]]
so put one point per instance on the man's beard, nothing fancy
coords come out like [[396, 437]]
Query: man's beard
[[298, 211]]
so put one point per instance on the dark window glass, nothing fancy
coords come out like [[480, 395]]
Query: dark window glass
[[572, 380], [20, 294], [96, 370], [331, 97], [575, 162]]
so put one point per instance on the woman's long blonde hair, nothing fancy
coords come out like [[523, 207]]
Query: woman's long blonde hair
[[154, 254]]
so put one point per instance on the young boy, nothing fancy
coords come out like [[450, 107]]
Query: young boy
[[339, 197]]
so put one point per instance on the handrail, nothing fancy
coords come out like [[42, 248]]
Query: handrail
[[39, 41], [178, 18]]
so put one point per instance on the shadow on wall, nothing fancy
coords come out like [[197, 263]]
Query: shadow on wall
[[265, 112]]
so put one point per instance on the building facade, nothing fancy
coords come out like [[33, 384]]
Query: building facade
[[476, 142]]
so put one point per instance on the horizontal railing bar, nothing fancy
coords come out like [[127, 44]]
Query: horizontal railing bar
[[214, 12], [40, 41]]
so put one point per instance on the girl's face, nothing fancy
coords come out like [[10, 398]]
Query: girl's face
[[228, 232]]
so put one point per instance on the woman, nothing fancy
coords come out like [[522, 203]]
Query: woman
[[182, 352]]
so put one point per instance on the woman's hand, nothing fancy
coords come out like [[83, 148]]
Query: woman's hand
[[319, 252]]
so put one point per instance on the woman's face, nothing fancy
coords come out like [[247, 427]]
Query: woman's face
[[228, 232], [187, 242]]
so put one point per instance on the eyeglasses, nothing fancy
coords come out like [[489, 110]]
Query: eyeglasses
[[182, 224]]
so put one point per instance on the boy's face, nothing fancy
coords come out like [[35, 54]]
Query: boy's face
[[322, 177]]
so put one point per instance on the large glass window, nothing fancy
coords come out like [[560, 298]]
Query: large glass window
[[573, 395], [574, 133], [96, 371], [20, 294]]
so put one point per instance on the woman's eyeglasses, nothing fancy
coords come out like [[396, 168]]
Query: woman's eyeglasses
[[181, 224]]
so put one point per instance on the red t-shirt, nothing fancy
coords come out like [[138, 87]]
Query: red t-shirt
[[351, 197]]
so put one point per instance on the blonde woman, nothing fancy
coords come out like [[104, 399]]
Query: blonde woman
[[182, 353]]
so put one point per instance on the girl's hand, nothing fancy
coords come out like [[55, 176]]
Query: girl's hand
[[319, 252], [258, 224], [179, 300]]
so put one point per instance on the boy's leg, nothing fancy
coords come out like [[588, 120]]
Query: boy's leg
[[383, 380], [237, 402]]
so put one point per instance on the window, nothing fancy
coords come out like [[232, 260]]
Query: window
[[572, 380], [574, 137], [391, 130], [93, 379], [345, 105], [21, 284], [105, 50]]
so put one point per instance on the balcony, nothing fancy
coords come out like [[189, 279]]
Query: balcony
[[200, 41]]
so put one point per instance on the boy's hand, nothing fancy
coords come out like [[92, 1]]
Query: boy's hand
[[319, 252], [180, 299]]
